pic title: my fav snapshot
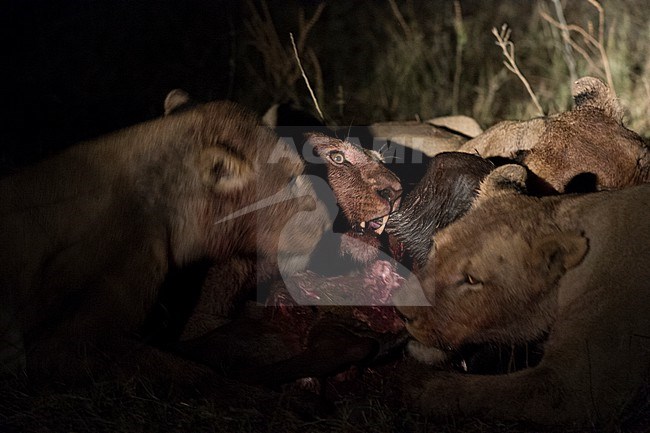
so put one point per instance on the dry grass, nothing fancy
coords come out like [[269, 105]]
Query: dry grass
[[508, 48], [358, 406], [423, 59], [277, 52]]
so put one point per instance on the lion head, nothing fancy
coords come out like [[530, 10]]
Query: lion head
[[490, 278], [366, 191], [585, 149], [260, 201]]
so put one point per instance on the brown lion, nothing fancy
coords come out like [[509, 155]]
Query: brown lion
[[366, 191], [584, 149], [93, 237], [517, 267]]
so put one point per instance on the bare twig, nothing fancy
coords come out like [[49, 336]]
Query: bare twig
[[589, 40], [281, 74], [601, 43], [508, 48], [586, 35], [305, 28], [595, 43], [400, 19], [320, 82], [568, 51], [304, 76], [461, 39]]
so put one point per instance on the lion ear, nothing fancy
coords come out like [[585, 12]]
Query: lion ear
[[318, 139], [507, 179], [315, 141], [222, 171], [559, 252], [592, 92], [176, 100]]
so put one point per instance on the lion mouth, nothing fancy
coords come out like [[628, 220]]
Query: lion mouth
[[376, 225]]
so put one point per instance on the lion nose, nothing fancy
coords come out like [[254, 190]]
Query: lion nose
[[390, 194]]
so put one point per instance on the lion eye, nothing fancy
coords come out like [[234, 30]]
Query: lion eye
[[337, 157], [468, 284], [473, 282]]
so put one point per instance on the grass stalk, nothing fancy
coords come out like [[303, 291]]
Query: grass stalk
[[304, 77], [508, 48]]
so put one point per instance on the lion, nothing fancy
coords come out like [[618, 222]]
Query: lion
[[366, 191], [92, 238], [582, 150], [517, 267]]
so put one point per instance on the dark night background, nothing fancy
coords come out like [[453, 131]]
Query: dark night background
[[77, 69]]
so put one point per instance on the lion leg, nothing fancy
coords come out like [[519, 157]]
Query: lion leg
[[585, 383], [94, 331], [536, 394], [224, 288], [69, 356]]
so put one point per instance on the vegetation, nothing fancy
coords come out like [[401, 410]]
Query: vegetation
[[424, 59], [110, 407]]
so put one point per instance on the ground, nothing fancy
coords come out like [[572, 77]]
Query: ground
[[359, 406]]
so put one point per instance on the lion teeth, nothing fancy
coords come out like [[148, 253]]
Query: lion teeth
[[381, 228], [363, 225]]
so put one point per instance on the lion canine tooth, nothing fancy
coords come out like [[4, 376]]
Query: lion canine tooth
[[380, 230], [363, 225]]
